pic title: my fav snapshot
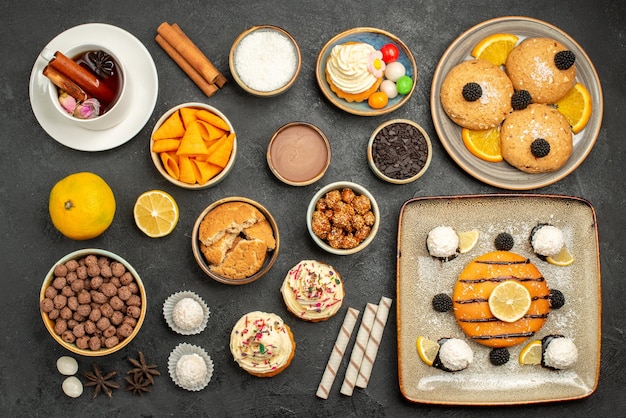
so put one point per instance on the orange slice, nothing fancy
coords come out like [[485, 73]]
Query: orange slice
[[576, 107], [495, 48], [484, 144]]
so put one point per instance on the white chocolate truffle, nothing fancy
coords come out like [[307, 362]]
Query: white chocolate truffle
[[188, 313], [455, 354], [191, 370], [561, 353], [547, 240], [442, 242]]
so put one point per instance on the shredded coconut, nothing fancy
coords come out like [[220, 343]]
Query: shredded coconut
[[456, 354], [561, 353], [548, 240], [265, 60]]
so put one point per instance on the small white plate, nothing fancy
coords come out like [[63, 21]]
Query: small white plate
[[142, 79]]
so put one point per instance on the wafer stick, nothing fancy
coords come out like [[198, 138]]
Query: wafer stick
[[359, 349], [207, 88], [337, 354], [189, 51], [374, 342]]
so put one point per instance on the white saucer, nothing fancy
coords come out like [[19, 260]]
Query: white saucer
[[142, 78]]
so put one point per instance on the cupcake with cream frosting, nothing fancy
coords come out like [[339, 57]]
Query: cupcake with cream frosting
[[313, 291], [186, 313], [349, 71], [190, 367], [262, 344]]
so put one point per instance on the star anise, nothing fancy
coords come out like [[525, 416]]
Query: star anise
[[102, 382], [137, 384], [144, 370], [102, 62]]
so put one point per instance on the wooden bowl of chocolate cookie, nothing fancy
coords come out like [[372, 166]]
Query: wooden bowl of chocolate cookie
[[92, 302], [235, 240], [399, 151]]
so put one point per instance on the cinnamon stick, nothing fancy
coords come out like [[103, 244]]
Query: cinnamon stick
[[65, 84], [220, 80], [86, 80], [190, 52], [207, 88]]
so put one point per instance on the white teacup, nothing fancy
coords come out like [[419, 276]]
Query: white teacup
[[116, 112]]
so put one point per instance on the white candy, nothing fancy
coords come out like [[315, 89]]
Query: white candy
[[72, 387], [67, 366], [389, 88], [394, 70]]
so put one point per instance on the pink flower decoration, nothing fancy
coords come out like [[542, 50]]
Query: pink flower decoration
[[67, 102], [376, 65], [88, 109]]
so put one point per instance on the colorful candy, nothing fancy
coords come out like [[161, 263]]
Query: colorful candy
[[404, 84], [390, 53]]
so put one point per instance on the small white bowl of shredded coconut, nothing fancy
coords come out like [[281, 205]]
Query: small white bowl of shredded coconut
[[265, 60]]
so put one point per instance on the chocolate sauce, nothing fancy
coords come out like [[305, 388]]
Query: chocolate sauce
[[298, 153]]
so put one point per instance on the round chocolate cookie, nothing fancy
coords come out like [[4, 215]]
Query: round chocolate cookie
[[544, 67], [537, 139], [476, 94]]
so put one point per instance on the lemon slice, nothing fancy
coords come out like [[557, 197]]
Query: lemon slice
[[576, 107], [509, 301], [468, 240], [427, 349], [484, 144], [531, 353], [563, 258], [495, 48], [156, 213]]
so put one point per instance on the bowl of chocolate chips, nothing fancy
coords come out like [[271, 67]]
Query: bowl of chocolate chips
[[92, 302], [399, 151]]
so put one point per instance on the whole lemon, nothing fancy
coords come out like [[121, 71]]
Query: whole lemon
[[81, 206]]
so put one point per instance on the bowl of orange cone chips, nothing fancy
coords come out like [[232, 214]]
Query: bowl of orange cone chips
[[193, 145]]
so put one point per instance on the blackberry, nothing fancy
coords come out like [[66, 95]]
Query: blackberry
[[540, 148], [564, 59], [504, 241], [442, 302], [472, 91], [521, 99], [557, 299], [499, 356]]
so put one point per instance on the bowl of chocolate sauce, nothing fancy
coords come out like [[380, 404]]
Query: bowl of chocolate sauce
[[298, 153]]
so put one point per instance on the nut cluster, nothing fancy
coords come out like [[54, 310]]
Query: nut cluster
[[94, 302], [343, 219]]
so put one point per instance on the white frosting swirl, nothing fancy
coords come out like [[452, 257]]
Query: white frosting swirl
[[347, 67], [313, 290], [260, 342]]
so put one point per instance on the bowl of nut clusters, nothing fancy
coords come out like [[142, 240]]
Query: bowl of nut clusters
[[343, 218], [92, 302]]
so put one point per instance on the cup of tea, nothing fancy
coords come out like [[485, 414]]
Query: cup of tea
[[87, 84]]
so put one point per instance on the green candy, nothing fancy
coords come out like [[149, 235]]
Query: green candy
[[404, 84]]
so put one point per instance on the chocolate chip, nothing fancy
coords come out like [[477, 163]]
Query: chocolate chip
[[399, 151]]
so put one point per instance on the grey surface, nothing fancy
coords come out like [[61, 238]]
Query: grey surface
[[32, 162]]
